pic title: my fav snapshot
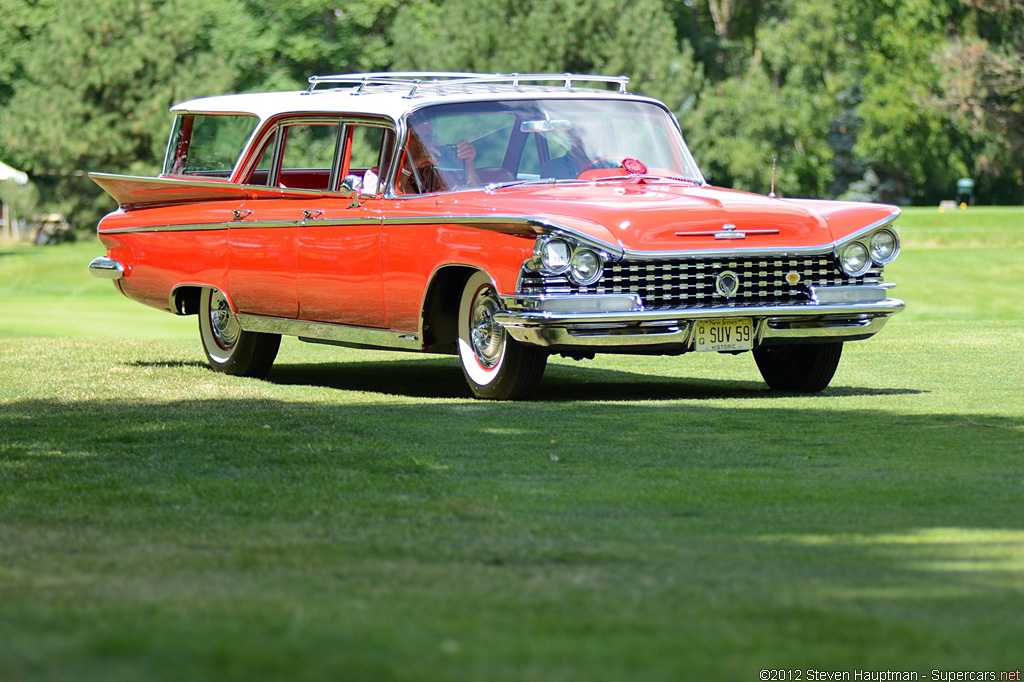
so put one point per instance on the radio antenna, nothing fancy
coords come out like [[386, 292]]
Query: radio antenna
[[771, 194]]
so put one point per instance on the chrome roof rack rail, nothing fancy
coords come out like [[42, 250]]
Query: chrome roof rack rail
[[416, 80]]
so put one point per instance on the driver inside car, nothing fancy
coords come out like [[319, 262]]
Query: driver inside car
[[427, 167]]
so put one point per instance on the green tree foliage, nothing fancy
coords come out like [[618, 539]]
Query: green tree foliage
[[305, 37], [873, 99], [745, 124], [637, 39], [983, 81], [98, 81], [854, 102], [900, 84]]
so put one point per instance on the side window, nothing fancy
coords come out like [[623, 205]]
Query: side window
[[308, 156], [367, 144], [461, 149], [207, 144]]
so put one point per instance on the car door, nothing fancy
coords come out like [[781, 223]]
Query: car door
[[339, 246], [297, 167]]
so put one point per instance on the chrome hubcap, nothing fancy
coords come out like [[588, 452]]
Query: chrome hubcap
[[222, 321], [486, 336]]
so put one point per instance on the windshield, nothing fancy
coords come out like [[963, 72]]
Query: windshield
[[207, 145], [468, 145]]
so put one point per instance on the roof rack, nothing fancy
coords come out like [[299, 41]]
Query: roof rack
[[439, 80]]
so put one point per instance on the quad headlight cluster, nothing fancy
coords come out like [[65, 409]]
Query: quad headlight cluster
[[556, 256], [876, 248]]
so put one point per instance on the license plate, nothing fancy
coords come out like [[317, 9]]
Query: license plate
[[719, 335]]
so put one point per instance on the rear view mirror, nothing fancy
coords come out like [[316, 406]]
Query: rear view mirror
[[544, 126]]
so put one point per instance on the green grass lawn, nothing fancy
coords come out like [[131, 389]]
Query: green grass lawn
[[357, 517]]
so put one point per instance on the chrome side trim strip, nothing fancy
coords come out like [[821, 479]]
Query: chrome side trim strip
[[106, 268], [246, 225], [338, 333], [189, 227]]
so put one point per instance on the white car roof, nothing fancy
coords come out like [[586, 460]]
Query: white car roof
[[392, 95]]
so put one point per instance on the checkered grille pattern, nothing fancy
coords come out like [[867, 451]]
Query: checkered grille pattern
[[690, 283]]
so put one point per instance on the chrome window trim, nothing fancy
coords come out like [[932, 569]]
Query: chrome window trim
[[273, 127]]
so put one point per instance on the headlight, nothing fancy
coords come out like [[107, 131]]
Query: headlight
[[554, 256], [854, 259], [884, 246], [586, 267]]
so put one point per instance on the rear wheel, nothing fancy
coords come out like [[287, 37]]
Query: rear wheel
[[799, 368], [228, 347], [496, 366]]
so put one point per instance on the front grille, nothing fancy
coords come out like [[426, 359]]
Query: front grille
[[690, 283]]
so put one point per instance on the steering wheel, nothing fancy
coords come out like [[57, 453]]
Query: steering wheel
[[598, 163]]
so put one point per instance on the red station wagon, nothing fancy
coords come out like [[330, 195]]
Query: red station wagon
[[498, 218]]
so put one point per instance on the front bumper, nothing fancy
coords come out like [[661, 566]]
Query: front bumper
[[672, 330]]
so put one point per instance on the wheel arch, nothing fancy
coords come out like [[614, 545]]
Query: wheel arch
[[439, 326], [184, 299]]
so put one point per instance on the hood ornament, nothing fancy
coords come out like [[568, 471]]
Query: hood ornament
[[771, 194]]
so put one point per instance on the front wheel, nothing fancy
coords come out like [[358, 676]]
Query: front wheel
[[799, 368], [228, 347], [496, 366]]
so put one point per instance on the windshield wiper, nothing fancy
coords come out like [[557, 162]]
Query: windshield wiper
[[678, 178], [491, 186]]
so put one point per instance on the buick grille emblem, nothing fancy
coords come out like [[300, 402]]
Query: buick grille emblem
[[727, 283]]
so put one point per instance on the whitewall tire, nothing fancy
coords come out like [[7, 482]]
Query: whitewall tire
[[495, 365], [228, 347]]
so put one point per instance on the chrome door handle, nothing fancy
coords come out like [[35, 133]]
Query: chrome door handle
[[312, 214], [241, 213]]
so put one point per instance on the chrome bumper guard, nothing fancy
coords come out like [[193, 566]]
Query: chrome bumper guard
[[106, 268], [534, 321]]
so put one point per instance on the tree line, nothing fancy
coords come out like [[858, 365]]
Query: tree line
[[886, 100]]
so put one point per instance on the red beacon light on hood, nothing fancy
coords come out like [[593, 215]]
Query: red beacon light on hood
[[634, 166]]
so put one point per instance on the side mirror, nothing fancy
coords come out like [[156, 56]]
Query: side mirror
[[350, 187], [352, 184]]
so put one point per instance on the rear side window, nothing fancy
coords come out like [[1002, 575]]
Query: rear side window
[[310, 146], [207, 145]]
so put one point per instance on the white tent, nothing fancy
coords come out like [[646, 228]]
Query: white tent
[[7, 230], [8, 173]]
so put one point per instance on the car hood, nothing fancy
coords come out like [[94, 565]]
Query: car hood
[[653, 215]]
